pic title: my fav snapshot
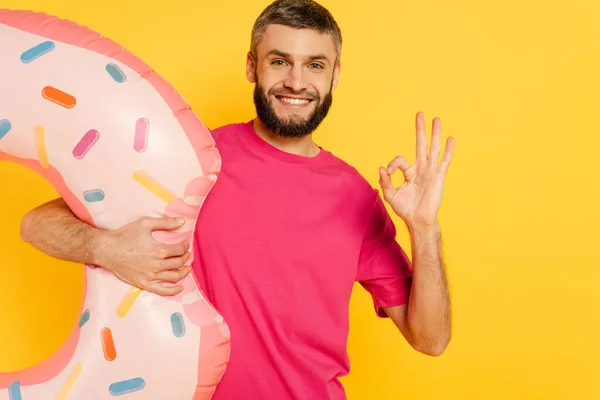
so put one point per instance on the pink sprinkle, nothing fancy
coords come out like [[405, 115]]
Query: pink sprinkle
[[140, 143], [85, 144]]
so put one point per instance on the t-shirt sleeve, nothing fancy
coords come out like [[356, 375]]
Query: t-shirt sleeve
[[384, 269]]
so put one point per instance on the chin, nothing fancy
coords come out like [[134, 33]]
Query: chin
[[287, 114]]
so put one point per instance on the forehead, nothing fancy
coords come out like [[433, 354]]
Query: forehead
[[297, 42]]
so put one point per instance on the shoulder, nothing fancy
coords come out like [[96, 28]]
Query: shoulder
[[228, 131], [354, 180]]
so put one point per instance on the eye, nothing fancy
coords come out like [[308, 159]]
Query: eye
[[278, 62], [316, 66]]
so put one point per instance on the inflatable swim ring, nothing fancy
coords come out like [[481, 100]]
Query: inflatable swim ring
[[118, 143]]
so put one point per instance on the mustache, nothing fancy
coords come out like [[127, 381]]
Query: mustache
[[302, 93]]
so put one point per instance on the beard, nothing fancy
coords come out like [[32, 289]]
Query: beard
[[295, 126]]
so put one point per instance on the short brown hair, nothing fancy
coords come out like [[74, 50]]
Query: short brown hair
[[300, 14]]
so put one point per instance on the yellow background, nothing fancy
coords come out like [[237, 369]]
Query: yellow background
[[516, 83]]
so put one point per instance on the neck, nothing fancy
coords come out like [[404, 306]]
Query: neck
[[303, 146]]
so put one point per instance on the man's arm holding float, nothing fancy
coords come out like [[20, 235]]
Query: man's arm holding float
[[130, 252], [53, 229]]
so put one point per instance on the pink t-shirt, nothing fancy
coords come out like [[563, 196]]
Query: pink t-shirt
[[280, 242]]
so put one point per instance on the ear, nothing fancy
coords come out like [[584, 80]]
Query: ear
[[336, 74], [250, 68]]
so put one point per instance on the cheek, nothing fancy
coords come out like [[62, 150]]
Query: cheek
[[270, 78], [322, 86]]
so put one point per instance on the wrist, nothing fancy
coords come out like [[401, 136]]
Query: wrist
[[425, 238], [98, 246], [424, 229]]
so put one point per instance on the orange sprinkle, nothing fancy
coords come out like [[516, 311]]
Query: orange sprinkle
[[59, 97], [108, 345]]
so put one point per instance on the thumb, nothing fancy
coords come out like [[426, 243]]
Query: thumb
[[166, 224], [385, 181]]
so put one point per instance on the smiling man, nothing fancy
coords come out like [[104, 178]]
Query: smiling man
[[294, 93], [289, 228]]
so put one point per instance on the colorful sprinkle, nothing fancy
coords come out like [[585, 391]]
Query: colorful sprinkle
[[40, 141], [93, 196], [5, 127], [140, 142], [14, 391], [108, 344], [85, 317], [128, 386], [59, 97], [116, 73], [64, 391], [37, 51], [86, 143], [128, 300], [177, 325], [153, 186]]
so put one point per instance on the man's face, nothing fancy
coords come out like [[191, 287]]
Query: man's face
[[295, 72]]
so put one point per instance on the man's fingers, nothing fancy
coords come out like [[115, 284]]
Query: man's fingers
[[421, 137], [434, 151], [447, 155], [163, 224], [385, 181], [398, 163], [163, 290], [174, 276], [174, 263], [174, 250]]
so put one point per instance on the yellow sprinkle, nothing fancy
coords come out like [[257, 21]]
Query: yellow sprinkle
[[40, 140], [153, 186], [128, 300], [64, 391]]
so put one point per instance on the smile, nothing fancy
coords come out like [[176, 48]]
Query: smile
[[292, 101]]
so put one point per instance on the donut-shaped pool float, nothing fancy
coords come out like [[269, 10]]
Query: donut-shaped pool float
[[118, 143]]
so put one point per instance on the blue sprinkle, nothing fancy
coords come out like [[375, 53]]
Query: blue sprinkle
[[128, 386], [5, 127], [116, 73], [85, 317], [14, 391], [177, 325], [92, 196], [37, 51]]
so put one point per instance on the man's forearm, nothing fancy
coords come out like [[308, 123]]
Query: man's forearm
[[53, 229], [428, 314]]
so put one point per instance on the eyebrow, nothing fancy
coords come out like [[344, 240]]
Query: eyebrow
[[315, 57]]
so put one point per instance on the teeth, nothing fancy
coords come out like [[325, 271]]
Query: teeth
[[293, 101]]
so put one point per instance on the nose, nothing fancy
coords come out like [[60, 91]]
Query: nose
[[295, 79]]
